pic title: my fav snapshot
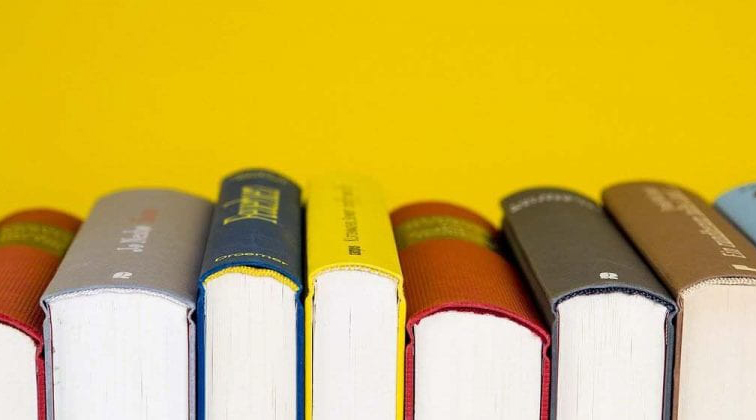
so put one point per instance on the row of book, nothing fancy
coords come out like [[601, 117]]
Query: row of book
[[640, 308]]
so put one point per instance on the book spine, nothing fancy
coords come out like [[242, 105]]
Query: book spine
[[348, 227], [144, 239], [682, 238], [739, 206], [32, 244], [257, 223], [567, 245]]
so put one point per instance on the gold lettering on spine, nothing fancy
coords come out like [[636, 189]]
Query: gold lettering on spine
[[38, 235], [255, 202], [423, 228]]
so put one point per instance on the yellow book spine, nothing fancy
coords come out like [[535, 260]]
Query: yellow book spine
[[348, 227]]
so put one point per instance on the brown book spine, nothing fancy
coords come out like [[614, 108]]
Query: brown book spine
[[32, 244], [681, 236]]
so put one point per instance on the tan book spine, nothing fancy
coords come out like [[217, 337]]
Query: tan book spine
[[681, 236]]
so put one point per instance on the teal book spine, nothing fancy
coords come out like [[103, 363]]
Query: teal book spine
[[739, 205]]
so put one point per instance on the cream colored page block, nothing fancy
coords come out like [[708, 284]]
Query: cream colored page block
[[474, 366], [250, 348], [354, 346], [119, 356], [718, 353], [611, 358], [18, 374]]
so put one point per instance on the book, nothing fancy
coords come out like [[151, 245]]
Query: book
[[250, 316], [710, 268], [354, 308], [611, 318], [477, 347], [739, 206], [119, 334], [32, 243]]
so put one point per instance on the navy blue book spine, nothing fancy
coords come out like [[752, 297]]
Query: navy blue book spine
[[257, 222]]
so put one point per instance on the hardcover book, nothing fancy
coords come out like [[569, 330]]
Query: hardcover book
[[250, 317], [611, 319], [119, 335], [477, 346], [355, 306], [32, 243], [710, 267], [739, 206]]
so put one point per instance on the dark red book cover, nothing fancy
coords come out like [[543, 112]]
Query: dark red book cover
[[32, 244], [449, 262]]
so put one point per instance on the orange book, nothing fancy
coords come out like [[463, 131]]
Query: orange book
[[32, 244], [477, 345]]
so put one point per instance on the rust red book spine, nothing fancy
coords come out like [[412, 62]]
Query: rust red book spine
[[32, 244]]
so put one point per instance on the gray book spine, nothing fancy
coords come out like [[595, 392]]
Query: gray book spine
[[566, 246], [147, 240]]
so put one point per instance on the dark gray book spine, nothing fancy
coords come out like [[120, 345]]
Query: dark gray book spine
[[567, 246]]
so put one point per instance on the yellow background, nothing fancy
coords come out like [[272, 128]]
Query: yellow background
[[463, 101]]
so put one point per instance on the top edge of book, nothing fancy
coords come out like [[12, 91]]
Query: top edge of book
[[529, 197], [46, 230], [747, 188], [348, 227], [684, 239], [140, 240], [257, 223], [45, 215], [253, 174], [567, 246]]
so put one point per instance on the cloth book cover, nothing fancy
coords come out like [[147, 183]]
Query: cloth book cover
[[739, 205], [567, 246], [243, 239], [148, 240], [32, 244], [348, 227], [449, 260], [682, 237]]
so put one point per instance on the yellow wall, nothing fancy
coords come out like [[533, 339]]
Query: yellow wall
[[463, 100]]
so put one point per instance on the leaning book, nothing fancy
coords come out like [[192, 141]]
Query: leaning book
[[610, 317], [710, 268]]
